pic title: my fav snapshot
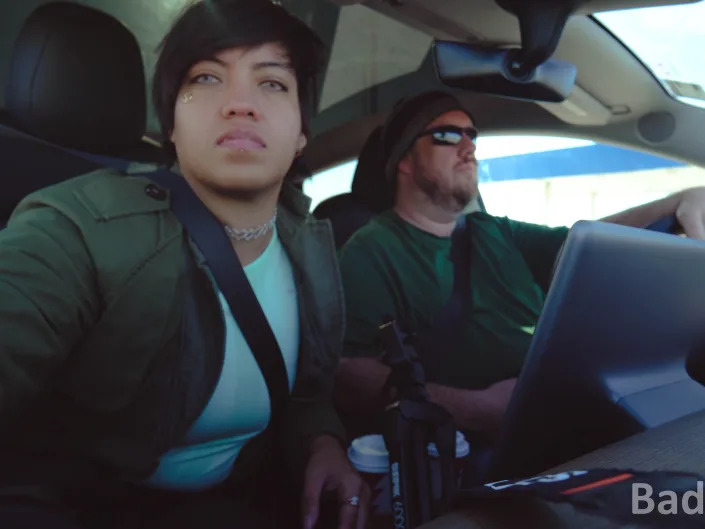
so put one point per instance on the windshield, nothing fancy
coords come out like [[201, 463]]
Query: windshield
[[669, 40]]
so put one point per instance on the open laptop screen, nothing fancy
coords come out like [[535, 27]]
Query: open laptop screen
[[625, 308]]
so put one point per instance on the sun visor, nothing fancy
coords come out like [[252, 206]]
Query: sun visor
[[580, 108]]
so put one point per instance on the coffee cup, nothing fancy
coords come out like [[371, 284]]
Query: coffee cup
[[369, 456]]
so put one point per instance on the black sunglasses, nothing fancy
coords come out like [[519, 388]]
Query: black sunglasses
[[449, 134]]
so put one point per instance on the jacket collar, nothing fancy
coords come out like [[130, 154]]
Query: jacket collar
[[295, 200], [293, 212]]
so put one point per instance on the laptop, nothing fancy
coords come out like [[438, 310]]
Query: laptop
[[625, 308]]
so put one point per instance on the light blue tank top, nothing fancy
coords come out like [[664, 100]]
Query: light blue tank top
[[239, 407]]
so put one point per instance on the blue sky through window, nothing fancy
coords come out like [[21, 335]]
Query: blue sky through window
[[670, 40]]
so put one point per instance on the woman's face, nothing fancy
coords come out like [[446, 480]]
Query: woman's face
[[237, 121]]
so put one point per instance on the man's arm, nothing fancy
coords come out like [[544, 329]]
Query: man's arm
[[359, 383], [688, 206]]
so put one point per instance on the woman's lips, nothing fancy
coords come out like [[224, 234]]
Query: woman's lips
[[241, 139], [241, 144]]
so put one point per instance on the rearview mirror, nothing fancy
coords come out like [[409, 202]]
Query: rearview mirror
[[498, 72]]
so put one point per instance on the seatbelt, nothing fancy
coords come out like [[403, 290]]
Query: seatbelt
[[413, 421], [429, 343], [210, 237], [100, 160]]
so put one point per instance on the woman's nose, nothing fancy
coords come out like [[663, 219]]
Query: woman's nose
[[239, 101]]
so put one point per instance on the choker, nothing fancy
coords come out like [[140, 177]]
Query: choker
[[250, 234]]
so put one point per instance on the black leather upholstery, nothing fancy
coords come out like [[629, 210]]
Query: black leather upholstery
[[370, 194], [76, 78], [346, 214], [76, 82], [29, 165], [369, 184]]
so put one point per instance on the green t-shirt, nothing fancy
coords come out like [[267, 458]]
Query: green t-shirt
[[390, 267]]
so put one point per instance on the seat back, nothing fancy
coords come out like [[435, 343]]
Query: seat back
[[346, 214], [369, 196], [75, 101]]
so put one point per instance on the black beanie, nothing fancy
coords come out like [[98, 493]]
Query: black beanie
[[408, 119]]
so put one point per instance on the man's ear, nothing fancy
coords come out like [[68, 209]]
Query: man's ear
[[406, 164]]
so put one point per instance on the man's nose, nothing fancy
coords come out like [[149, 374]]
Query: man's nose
[[239, 102], [467, 147]]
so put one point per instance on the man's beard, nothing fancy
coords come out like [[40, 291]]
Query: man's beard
[[455, 199]]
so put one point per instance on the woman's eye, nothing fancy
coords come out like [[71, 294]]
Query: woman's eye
[[204, 78], [275, 85]]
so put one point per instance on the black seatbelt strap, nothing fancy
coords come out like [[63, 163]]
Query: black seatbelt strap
[[210, 237], [414, 421], [447, 321]]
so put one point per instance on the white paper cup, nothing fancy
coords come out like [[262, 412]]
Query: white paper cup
[[369, 456]]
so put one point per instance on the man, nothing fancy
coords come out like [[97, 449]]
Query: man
[[399, 265], [125, 382]]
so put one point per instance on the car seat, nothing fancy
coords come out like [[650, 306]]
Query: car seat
[[75, 101], [370, 194]]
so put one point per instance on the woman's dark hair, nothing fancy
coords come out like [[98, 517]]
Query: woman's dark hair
[[210, 26]]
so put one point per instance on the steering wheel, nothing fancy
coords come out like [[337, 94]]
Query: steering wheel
[[668, 224]]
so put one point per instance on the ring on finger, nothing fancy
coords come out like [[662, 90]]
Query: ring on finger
[[354, 501]]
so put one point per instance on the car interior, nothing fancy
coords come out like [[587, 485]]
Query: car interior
[[379, 52], [75, 77]]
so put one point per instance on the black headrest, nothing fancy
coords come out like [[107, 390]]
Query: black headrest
[[369, 184], [346, 214], [77, 79]]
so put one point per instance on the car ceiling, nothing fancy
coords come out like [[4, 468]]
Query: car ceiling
[[616, 100], [379, 51]]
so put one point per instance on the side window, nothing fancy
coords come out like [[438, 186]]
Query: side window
[[331, 182], [551, 180], [557, 181]]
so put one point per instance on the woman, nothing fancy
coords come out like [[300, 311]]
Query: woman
[[125, 381]]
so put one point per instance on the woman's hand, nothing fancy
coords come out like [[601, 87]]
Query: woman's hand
[[329, 470]]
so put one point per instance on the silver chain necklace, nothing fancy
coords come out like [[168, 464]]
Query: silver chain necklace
[[249, 234]]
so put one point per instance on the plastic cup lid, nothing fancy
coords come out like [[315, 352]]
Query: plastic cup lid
[[462, 448], [369, 454]]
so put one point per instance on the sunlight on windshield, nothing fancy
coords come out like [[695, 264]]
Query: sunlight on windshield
[[670, 41], [551, 180]]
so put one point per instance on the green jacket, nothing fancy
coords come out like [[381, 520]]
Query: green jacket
[[112, 337]]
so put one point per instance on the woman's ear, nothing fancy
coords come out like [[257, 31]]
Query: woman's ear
[[300, 144]]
